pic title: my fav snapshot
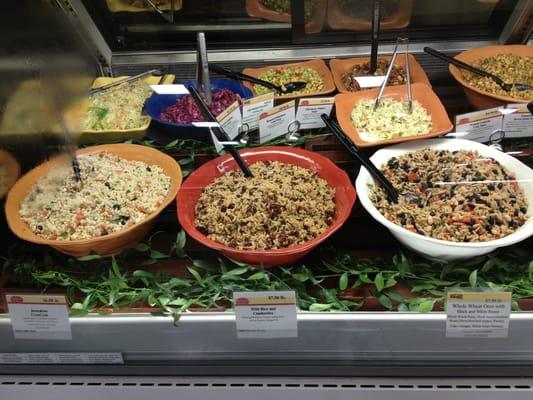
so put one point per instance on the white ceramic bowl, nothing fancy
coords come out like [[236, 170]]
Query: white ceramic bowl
[[444, 250]]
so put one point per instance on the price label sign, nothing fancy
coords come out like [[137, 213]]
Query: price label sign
[[41, 317], [479, 125], [519, 122], [477, 314], [277, 121], [265, 315], [310, 110], [231, 120], [254, 107]]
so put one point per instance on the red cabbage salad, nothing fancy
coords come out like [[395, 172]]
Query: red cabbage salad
[[185, 111]]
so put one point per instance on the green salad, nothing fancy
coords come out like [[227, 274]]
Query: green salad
[[391, 119], [118, 108]]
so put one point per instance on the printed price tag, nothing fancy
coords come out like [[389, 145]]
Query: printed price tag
[[231, 120], [477, 314], [169, 89], [61, 358], [369, 81], [43, 317], [310, 110], [265, 314], [478, 125], [277, 121], [518, 123], [254, 107]]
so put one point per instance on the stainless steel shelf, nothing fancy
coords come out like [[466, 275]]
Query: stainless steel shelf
[[348, 337]]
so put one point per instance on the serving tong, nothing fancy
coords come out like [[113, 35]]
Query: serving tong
[[500, 82], [219, 133], [239, 76], [399, 40], [125, 80]]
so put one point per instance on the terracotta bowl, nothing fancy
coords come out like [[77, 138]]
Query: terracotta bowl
[[345, 102], [338, 20], [193, 186], [12, 168], [341, 66], [315, 24], [316, 64], [107, 245], [478, 98]]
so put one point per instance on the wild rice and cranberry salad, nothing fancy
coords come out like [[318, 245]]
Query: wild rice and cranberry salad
[[461, 196], [114, 194], [281, 206]]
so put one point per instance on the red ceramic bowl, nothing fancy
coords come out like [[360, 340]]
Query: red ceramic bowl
[[192, 188]]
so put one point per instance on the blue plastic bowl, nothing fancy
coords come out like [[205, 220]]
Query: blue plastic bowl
[[164, 132]]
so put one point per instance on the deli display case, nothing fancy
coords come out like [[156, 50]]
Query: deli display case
[[154, 266]]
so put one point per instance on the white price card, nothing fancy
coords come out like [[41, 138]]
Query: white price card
[[61, 358], [231, 119], [169, 89], [479, 125], [369, 81], [252, 108], [477, 314], [41, 317], [277, 121], [518, 123], [309, 111], [265, 315]]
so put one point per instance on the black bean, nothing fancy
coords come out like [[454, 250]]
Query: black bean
[[490, 186], [149, 169], [107, 185], [523, 210], [484, 193], [40, 227], [116, 206], [203, 230], [426, 157]]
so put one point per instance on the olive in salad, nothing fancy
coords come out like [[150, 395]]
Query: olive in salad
[[397, 76], [284, 75]]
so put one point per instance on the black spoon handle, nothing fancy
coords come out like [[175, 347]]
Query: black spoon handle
[[239, 76], [462, 65], [369, 165], [219, 133]]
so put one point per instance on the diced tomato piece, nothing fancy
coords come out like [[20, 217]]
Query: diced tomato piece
[[412, 176], [422, 188]]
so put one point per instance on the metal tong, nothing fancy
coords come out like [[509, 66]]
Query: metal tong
[[125, 80], [399, 41], [219, 133], [202, 67]]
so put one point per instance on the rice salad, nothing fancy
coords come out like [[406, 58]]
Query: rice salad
[[459, 196], [390, 120], [282, 205], [114, 194]]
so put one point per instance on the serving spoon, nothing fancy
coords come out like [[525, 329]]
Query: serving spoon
[[239, 76], [504, 85]]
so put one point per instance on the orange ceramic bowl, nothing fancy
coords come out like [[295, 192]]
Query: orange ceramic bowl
[[341, 66], [193, 186], [12, 171], [107, 245], [316, 64], [478, 98], [345, 103]]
